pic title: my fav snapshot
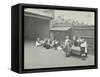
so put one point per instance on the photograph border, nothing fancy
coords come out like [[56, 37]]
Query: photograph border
[[21, 21]]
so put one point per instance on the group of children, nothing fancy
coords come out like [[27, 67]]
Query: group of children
[[77, 43], [47, 43]]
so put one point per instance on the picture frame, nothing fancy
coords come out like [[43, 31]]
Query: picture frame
[[20, 32]]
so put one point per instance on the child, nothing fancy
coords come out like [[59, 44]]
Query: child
[[38, 42], [59, 48], [55, 44], [67, 45], [83, 48], [47, 44]]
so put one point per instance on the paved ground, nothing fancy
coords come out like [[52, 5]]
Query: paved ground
[[38, 57]]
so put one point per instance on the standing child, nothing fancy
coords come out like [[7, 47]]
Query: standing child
[[83, 49], [67, 45]]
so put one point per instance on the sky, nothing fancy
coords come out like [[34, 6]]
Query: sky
[[80, 16]]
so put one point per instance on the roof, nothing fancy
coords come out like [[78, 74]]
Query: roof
[[42, 12], [60, 28]]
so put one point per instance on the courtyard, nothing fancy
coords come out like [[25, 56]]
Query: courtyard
[[39, 57]]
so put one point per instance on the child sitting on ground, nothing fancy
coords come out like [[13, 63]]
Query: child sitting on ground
[[59, 48], [38, 42]]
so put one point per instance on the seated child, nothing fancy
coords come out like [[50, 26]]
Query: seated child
[[47, 44], [59, 48], [38, 42], [56, 44]]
